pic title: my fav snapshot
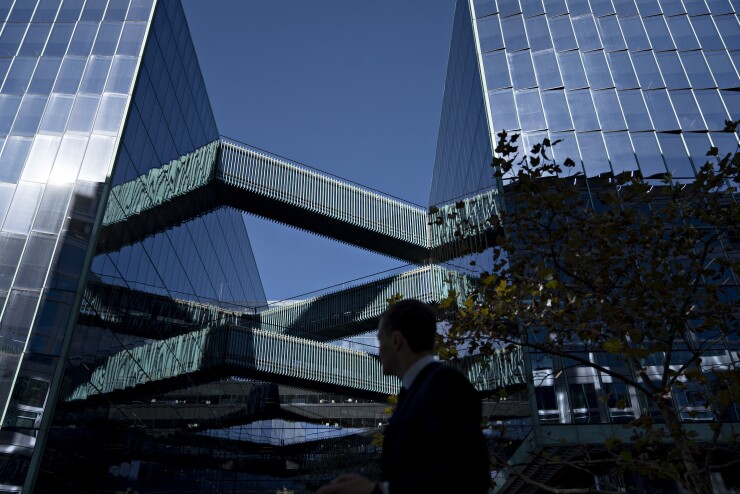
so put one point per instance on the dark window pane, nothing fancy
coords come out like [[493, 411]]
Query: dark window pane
[[688, 113], [556, 110], [648, 153], [647, 70], [625, 8], [635, 111], [46, 73], [489, 33], [562, 33], [697, 70], [59, 39], [676, 157], [494, 64], [608, 110], [712, 108], [538, 33], [595, 160], [672, 70], [621, 69], [620, 151], [33, 43], [70, 75], [46, 10], [683, 34], [582, 110], [572, 71], [729, 30], [514, 36], [661, 110], [70, 11], [597, 70], [634, 33], [707, 33], [657, 31]]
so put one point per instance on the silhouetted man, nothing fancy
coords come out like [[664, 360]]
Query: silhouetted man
[[433, 442]]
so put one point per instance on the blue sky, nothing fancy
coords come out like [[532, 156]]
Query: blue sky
[[351, 88]]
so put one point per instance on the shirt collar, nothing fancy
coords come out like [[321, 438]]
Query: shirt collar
[[413, 371]]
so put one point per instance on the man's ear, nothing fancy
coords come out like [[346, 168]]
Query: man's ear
[[398, 340]]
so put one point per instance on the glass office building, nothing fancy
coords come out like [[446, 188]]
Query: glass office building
[[640, 86], [94, 94]]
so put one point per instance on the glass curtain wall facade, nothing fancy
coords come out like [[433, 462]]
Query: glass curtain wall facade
[[94, 94], [641, 86]]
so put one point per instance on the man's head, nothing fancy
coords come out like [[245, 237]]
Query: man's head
[[405, 334]]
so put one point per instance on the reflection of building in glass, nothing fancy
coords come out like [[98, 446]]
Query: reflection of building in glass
[[637, 86], [132, 320]]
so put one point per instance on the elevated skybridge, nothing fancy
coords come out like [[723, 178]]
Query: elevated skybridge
[[224, 173], [214, 353]]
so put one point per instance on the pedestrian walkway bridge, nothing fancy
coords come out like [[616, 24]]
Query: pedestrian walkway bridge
[[214, 353], [225, 173]]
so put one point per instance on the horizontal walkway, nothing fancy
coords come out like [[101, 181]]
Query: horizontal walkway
[[217, 352], [228, 174]]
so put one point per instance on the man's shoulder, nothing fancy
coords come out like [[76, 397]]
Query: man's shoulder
[[441, 374]]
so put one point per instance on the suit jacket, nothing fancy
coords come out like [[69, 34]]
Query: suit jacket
[[433, 442]]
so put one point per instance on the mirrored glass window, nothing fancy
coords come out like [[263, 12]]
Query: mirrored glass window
[[107, 39], [484, 7], [562, 33], [97, 158], [634, 33], [22, 11], [522, 71], [131, 39], [620, 151], [578, 7], [688, 113], [595, 159], [698, 144], [556, 110], [9, 105], [725, 142], [597, 70], [110, 115], [83, 113], [648, 7], [602, 7], [57, 113], [59, 39], [675, 155], [494, 63], [19, 75], [582, 110], [52, 209], [547, 70], [29, 115], [722, 69], [514, 36], [123, 69], [719, 7], [82, 39], [728, 29], [46, 73], [13, 157], [22, 208], [671, 7], [648, 154], [93, 11], [538, 33], [139, 10], [11, 38], [635, 111], [672, 70], [657, 31], [712, 108], [571, 69], [697, 70], [555, 7], [611, 35], [683, 33], [95, 75], [508, 7], [532, 7], [43, 153], [531, 116], [588, 35], [35, 262], [695, 7], [732, 102], [46, 11], [33, 43], [503, 110], [69, 159], [70, 75], [70, 10], [707, 33], [621, 69], [661, 110], [608, 110], [625, 8], [566, 148], [117, 10], [647, 70], [489, 33]]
